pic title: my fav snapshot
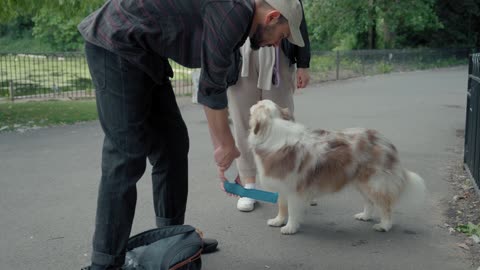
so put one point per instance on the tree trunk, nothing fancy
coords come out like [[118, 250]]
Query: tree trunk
[[387, 39], [372, 29], [372, 36]]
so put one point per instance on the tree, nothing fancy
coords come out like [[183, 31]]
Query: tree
[[332, 23], [368, 23], [461, 21], [409, 15], [55, 22], [17, 8]]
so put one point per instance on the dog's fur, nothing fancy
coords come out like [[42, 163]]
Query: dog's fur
[[301, 164]]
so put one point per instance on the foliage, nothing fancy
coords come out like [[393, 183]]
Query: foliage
[[57, 30], [332, 24], [323, 65], [413, 16], [25, 44], [18, 27], [461, 21], [355, 22], [54, 21], [17, 8], [469, 229], [385, 68]]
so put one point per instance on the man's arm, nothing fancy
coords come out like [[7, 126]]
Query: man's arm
[[303, 56], [225, 25], [225, 150]]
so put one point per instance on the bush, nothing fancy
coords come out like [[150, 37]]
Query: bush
[[17, 28], [58, 30], [27, 44], [384, 68]]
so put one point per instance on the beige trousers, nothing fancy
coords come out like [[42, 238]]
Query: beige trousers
[[244, 94]]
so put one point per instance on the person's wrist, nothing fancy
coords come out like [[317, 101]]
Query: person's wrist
[[227, 142]]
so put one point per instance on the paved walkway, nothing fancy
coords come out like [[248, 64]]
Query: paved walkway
[[49, 179]]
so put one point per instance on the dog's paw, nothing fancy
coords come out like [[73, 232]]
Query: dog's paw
[[276, 222], [363, 217], [382, 227], [289, 229]]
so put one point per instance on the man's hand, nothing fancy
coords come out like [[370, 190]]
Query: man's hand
[[224, 156], [223, 177], [303, 77]]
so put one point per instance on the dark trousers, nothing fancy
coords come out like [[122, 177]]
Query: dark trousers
[[141, 119]]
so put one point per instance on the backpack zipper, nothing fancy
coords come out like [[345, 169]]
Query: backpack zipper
[[196, 256]]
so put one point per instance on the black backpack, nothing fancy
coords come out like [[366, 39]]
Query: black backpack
[[168, 248]]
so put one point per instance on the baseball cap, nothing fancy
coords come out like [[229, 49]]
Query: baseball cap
[[292, 11]]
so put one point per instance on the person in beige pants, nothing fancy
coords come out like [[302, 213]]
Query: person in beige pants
[[257, 85]]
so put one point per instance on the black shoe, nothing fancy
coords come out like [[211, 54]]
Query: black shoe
[[209, 245]]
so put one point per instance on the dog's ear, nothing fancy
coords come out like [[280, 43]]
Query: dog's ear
[[258, 120], [257, 128], [286, 115]]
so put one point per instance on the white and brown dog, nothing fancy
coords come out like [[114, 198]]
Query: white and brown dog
[[301, 164]]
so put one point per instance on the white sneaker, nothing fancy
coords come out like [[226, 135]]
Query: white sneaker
[[245, 204]]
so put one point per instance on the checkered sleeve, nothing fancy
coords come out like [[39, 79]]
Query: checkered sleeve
[[224, 26]]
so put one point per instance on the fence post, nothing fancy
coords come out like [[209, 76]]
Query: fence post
[[362, 58], [338, 65], [466, 155], [12, 91]]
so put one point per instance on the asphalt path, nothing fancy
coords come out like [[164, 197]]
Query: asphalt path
[[49, 179]]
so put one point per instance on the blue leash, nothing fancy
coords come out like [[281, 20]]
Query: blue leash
[[234, 188]]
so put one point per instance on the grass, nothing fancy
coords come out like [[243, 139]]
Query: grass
[[35, 68], [323, 65], [55, 73], [15, 116], [40, 74], [469, 229]]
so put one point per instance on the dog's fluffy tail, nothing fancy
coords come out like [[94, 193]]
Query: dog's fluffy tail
[[415, 191]]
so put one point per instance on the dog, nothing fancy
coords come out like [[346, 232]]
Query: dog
[[302, 164]]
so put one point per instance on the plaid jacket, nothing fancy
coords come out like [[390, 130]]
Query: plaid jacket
[[193, 33]]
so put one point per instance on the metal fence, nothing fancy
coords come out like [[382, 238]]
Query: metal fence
[[472, 126], [328, 66], [61, 75], [66, 75]]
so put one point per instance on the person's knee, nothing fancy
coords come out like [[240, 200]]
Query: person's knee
[[169, 152], [179, 143], [131, 144]]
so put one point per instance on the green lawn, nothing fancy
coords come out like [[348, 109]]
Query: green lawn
[[45, 113], [40, 74], [323, 66], [56, 73]]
